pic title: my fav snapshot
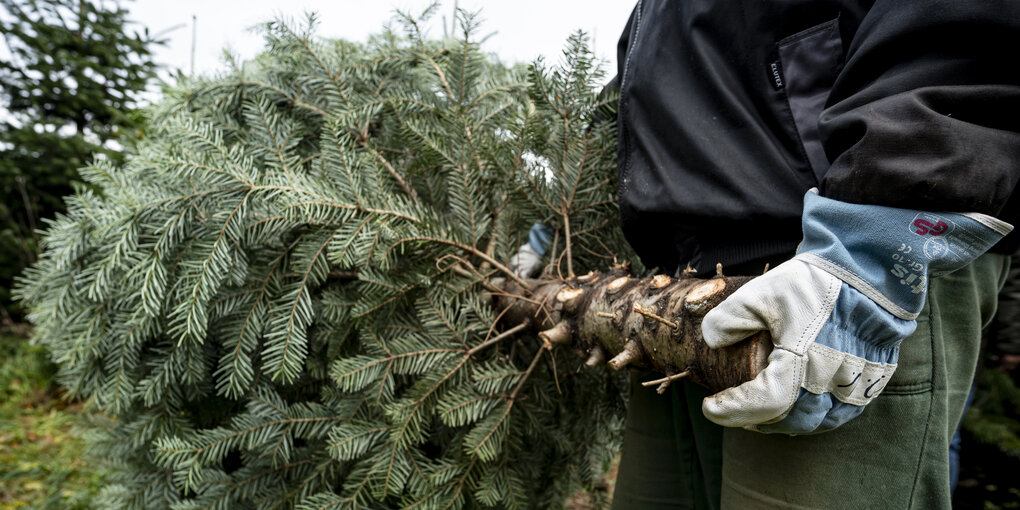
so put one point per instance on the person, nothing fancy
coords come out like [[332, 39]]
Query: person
[[867, 151]]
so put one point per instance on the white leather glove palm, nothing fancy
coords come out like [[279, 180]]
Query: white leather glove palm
[[527, 262], [818, 375]]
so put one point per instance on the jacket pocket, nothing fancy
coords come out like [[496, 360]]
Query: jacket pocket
[[810, 62]]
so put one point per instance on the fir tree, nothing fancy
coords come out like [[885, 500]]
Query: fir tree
[[282, 299]]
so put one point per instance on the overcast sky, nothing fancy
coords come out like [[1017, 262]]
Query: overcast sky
[[523, 29]]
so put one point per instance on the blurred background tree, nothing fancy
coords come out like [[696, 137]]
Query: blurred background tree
[[72, 74]]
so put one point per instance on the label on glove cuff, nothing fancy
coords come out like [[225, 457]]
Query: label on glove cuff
[[943, 242]]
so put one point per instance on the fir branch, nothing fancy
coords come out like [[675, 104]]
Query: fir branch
[[392, 171], [294, 334], [334, 217], [472, 250], [510, 403]]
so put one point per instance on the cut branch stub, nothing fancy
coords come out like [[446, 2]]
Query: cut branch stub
[[617, 284], [568, 294], [569, 297], [642, 322], [660, 281], [631, 353], [596, 357], [702, 294], [559, 334]]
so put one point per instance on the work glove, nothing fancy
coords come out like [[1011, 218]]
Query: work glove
[[838, 311], [528, 259]]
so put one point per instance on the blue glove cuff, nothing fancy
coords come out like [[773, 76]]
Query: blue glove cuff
[[887, 253], [539, 238]]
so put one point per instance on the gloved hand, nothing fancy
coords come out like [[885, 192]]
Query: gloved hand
[[528, 259], [838, 311]]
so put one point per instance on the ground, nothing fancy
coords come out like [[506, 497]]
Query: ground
[[42, 461]]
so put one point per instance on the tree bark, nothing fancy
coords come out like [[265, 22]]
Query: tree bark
[[637, 322]]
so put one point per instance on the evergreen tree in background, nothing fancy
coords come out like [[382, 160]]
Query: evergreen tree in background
[[71, 74], [283, 297]]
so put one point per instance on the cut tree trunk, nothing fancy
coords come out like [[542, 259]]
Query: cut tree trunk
[[650, 323]]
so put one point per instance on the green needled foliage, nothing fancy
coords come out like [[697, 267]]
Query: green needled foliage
[[71, 76], [282, 298]]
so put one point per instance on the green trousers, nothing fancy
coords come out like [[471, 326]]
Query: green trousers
[[893, 456]]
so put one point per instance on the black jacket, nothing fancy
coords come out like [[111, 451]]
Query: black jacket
[[731, 109]]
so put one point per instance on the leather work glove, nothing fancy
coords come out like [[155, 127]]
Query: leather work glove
[[838, 311], [528, 259]]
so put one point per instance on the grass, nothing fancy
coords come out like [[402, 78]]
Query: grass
[[42, 453]]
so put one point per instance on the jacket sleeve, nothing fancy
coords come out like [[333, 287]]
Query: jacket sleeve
[[925, 113]]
